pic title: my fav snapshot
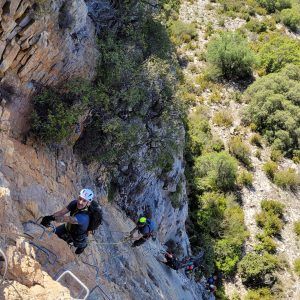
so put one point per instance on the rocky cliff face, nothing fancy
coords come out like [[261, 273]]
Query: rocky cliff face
[[33, 183], [46, 42]]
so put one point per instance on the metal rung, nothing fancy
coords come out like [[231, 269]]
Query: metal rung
[[78, 280]]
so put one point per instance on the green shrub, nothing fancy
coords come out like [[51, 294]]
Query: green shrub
[[256, 140], [223, 118], [258, 154], [254, 267], [273, 207], [297, 228], [270, 223], [273, 5], [215, 97], [240, 150], [297, 266], [276, 155], [215, 144], [287, 178], [270, 168], [274, 110], [158, 42], [266, 243], [230, 55], [245, 178], [221, 215], [296, 156], [175, 196], [290, 18], [209, 30], [182, 32], [56, 113], [228, 253], [215, 171], [256, 26], [198, 131], [277, 51], [259, 294]]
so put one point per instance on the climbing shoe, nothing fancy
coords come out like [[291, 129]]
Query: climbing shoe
[[79, 250]]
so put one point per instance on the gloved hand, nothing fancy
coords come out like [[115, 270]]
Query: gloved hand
[[47, 220]]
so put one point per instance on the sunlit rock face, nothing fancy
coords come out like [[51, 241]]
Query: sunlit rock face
[[43, 44]]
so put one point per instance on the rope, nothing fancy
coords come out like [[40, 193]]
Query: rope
[[98, 287]]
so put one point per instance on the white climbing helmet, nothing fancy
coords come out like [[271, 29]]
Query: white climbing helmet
[[87, 194]]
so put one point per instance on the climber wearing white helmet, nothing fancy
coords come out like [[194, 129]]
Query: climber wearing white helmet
[[76, 224]]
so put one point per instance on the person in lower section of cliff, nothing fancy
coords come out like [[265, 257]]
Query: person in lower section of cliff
[[76, 227], [211, 283], [171, 261], [146, 228]]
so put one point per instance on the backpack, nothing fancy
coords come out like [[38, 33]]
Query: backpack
[[95, 213], [151, 225]]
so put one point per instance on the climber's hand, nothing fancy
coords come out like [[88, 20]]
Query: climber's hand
[[47, 220]]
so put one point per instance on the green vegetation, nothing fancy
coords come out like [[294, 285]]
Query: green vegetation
[[182, 32], [270, 223], [275, 110], [220, 215], [230, 56], [245, 178], [215, 171], [297, 266], [217, 219], [276, 51], [254, 267], [272, 5], [223, 118], [240, 8], [290, 18], [270, 168], [273, 207], [256, 140], [257, 26], [287, 178], [259, 294], [297, 228], [175, 197], [240, 150], [270, 217], [266, 244], [276, 155], [56, 113]]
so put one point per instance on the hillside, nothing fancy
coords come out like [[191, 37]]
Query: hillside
[[185, 112]]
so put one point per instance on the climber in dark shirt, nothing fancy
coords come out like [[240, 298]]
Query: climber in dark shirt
[[75, 229], [146, 228], [171, 261]]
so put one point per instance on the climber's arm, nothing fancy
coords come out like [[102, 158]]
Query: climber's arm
[[66, 219], [61, 218]]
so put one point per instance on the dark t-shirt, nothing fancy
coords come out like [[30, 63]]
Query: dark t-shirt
[[82, 217]]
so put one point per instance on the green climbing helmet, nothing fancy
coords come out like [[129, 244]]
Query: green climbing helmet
[[142, 220]]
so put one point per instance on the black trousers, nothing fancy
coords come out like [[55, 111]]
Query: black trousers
[[139, 242], [62, 233]]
